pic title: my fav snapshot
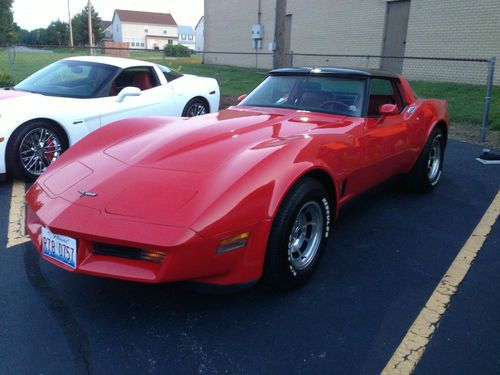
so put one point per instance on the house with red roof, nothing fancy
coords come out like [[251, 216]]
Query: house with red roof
[[144, 30]]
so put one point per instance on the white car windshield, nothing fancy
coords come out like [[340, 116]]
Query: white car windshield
[[69, 78], [327, 94]]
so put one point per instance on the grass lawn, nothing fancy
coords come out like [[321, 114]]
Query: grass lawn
[[26, 63], [234, 81], [466, 102]]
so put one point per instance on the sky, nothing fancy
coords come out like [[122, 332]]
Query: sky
[[33, 14]]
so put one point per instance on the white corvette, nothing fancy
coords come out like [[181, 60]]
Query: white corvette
[[55, 107]]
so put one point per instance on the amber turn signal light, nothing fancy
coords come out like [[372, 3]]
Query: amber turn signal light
[[233, 243]]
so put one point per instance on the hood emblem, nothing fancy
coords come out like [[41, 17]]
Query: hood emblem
[[84, 193]]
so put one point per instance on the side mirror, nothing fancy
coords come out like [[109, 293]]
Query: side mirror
[[241, 97], [388, 109], [127, 91]]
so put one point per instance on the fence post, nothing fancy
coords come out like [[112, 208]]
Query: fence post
[[290, 60], [487, 102], [11, 52]]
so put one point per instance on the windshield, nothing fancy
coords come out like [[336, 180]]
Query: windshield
[[69, 78], [328, 94]]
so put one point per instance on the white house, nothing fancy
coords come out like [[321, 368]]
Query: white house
[[199, 37], [186, 36], [144, 30]]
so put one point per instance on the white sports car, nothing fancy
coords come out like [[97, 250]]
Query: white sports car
[[55, 107]]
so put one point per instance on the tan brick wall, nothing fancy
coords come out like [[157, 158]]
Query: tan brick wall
[[442, 28], [453, 28], [228, 29], [337, 27]]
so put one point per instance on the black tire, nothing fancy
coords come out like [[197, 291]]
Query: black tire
[[283, 267], [32, 148], [427, 170], [195, 107]]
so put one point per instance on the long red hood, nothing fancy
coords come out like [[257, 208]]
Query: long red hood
[[194, 161], [203, 144]]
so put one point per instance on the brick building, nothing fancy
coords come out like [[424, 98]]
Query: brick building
[[427, 28]]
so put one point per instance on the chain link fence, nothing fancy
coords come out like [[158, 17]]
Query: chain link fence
[[469, 85]]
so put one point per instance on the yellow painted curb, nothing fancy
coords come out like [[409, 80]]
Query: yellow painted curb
[[17, 233]]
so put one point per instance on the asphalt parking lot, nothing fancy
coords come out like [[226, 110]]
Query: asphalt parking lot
[[388, 252]]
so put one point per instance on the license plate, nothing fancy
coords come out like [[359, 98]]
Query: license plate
[[60, 248]]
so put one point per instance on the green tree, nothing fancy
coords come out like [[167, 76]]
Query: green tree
[[81, 27], [38, 37], [7, 34], [177, 50], [23, 36], [5, 79], [58, 33], [17, 32]]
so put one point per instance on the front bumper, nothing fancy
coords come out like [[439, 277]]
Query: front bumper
[[188, 256]]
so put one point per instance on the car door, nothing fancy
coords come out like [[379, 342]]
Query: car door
[[155, 97], [385, 142]]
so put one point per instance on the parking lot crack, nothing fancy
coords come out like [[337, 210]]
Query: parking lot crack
[[412, 347]]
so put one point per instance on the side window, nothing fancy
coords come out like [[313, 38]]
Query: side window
[[171, 76], [143, 78], [383, 91]]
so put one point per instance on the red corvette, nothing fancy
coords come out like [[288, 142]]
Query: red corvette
[[232, 197]]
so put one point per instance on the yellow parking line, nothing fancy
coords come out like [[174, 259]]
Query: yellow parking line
[[17, 233], [410, 351]]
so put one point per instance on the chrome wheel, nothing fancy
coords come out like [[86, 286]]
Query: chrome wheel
[[38, 149], [305, 236], [196, 109], [434, 160]]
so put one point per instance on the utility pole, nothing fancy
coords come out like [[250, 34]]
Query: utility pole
[[70, 29], [279, 35], [91, 39]]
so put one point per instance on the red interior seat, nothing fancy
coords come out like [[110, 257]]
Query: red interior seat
[[142, 80]]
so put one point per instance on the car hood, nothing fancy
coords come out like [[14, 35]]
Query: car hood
[[169, 173], [204, 144], [7, 94], [12, 100]]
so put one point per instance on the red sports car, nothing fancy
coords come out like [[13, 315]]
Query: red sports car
[[248, 193]]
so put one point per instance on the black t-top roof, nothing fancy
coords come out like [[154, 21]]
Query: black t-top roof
[[331, 71]]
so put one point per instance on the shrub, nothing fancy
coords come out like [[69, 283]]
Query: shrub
[[5, 79], [177, 50]]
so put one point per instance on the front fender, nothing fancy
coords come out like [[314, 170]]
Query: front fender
[[252, 191]]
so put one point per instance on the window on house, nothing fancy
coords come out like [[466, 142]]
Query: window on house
[[190, 37], [146, 29], [142, 44], [183, 37], [165, 31], [170, 42]]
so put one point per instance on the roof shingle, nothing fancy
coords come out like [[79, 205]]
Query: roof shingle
[[145, 17]]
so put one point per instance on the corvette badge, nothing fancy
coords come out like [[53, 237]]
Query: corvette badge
[[84, 193]]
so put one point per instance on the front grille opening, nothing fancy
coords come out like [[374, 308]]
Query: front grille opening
[[128, 252]]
